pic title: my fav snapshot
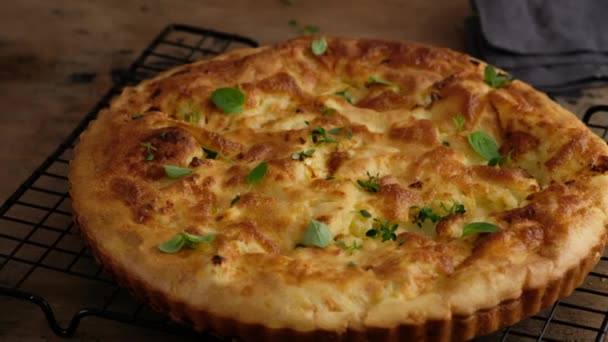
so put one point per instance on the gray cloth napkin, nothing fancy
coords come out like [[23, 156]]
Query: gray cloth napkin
[[556, 45]]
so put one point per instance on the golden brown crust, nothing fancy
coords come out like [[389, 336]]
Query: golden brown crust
[[430, 283]]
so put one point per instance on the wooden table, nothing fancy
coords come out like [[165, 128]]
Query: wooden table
[[57, 59]]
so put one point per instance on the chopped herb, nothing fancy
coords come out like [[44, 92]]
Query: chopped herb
[[176, 243], [351, 264], [459, 122], [479, 227], [175, 172], [349, 249], [229, 100], [494, 79], [257, 173], [317, 234], [336, 130], [346, 95], [377, 80], [455, 209], [149, 149], [371, 184], [319, 46], [209, 153], [303, 155], [330, 177], [365, 213], [383, 229], [328, 111], [445, 143], [486, 147], [319, 135], [137, 116], [425, 213], [235, 199]]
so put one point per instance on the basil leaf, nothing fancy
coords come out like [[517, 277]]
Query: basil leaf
[[317, 234], [495, 80], [173, 245], [192, 238], [318, 46], [229, 100], [175, 172], [484, 145], [479, 227], [257, 173]]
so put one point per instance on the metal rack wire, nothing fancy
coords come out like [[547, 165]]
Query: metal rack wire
[[38, 239]]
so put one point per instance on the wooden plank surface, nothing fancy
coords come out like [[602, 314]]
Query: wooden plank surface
[[57, 58]]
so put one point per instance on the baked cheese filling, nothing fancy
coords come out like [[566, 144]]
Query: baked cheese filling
[[359, 184]]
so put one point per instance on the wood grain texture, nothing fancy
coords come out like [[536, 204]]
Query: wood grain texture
[[57, 59]]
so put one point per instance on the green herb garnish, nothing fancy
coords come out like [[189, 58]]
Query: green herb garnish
[[317, 234], [303, 155], [365, 213], [377, 80], [371, 184], [459, 122], [149, 149], [235, 199], [455, 209], [319, 46], [176, 243], [349, 249], [319, 135], [175, 172], [479, 227], [486, 147], [495, 80], [424, 214], [229, 100], [351, 264], [346, 95], [383, 229], [257, 173], [209, 153]]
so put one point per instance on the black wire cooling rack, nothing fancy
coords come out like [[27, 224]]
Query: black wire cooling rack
[[39, 243]]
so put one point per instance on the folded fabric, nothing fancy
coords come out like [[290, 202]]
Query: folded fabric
[[545, 26], [555, 45]]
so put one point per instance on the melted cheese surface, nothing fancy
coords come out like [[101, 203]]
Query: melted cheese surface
[[549, 200]]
